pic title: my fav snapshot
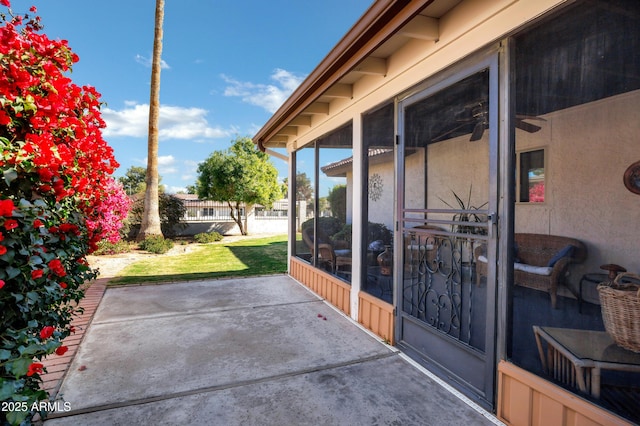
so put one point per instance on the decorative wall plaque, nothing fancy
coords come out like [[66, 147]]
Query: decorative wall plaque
[[375, 187], [632, 178]]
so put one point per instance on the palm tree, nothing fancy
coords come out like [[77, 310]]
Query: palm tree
[[151, 219]]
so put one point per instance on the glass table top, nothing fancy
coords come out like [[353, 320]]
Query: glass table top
[[594, 345]]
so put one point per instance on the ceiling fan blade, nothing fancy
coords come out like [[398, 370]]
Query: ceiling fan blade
[[478, 131], [529, 117], [527, 127], [442, 136]]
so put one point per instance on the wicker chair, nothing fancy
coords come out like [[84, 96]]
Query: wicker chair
[[330, 258], [537, 250]]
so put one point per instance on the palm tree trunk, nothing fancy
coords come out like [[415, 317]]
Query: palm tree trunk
[[151, 218]]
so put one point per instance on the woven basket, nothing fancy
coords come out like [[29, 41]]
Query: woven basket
[[621, 310]]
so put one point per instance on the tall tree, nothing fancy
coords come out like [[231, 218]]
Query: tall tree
[[304, 189], [134, 180], [151, 219], [337, 199], [304, 192], [241, 176]]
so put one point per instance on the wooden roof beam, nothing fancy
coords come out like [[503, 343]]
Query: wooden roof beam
[[423, 28], [277, 155], [339, 91], [301, 120], [380, 22], [288, 131], [280, 139], [372, 66], [317, 108]]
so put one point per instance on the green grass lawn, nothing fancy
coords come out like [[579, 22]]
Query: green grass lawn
[[247, 257]]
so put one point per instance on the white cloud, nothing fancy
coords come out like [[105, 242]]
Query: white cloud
[[166, 164], [190, 170], [175, 123], [267, 96], [192, 164], [143, 60], [165, 160], [171, 189]]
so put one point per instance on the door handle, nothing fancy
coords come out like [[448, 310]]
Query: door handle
[[492, 218]]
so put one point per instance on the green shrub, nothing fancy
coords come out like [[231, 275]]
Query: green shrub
[[327, 225], [207, 237], [105, 247], [379, 231], [172, 212], [156, 244]]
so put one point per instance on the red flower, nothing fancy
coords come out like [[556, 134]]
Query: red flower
[[63, 285], [6, 208], [46, 332], [3, 250], [36, 273], [4, 118], [45, 175], [2, 283], [38, 223], [1, 236], [68, 227], [36, 367], [61, 350], [10, 224], [56, 266], [5, 3]]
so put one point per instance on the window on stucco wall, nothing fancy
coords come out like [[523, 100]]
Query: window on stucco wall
[[531, 176], [577, 89]]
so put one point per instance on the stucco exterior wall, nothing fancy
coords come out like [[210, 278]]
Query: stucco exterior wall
[[458, 165], [381, 210], [414, 179], [589, 147]]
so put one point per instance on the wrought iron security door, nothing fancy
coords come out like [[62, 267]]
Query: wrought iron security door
[[446, 290]]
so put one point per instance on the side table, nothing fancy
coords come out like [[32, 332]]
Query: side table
[[590, 278], [577, 357], [597, 278]]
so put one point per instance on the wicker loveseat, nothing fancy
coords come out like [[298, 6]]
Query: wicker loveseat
[[541, 261]]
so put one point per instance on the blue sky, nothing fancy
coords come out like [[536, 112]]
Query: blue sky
[[228, 65]]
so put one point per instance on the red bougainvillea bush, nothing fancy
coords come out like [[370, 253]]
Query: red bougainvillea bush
[[55, 184]]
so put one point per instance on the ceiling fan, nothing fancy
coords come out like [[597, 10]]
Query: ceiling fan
[[478, 113]]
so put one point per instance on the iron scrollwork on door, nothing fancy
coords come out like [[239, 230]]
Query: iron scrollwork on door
[[439, 283]]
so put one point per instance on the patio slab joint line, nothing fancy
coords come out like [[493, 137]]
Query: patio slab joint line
[[199, 312], [225, 386]]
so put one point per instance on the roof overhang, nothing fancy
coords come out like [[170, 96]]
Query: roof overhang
[[352, 55]]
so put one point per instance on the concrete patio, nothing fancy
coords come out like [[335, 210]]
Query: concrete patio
[[259, 350]]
